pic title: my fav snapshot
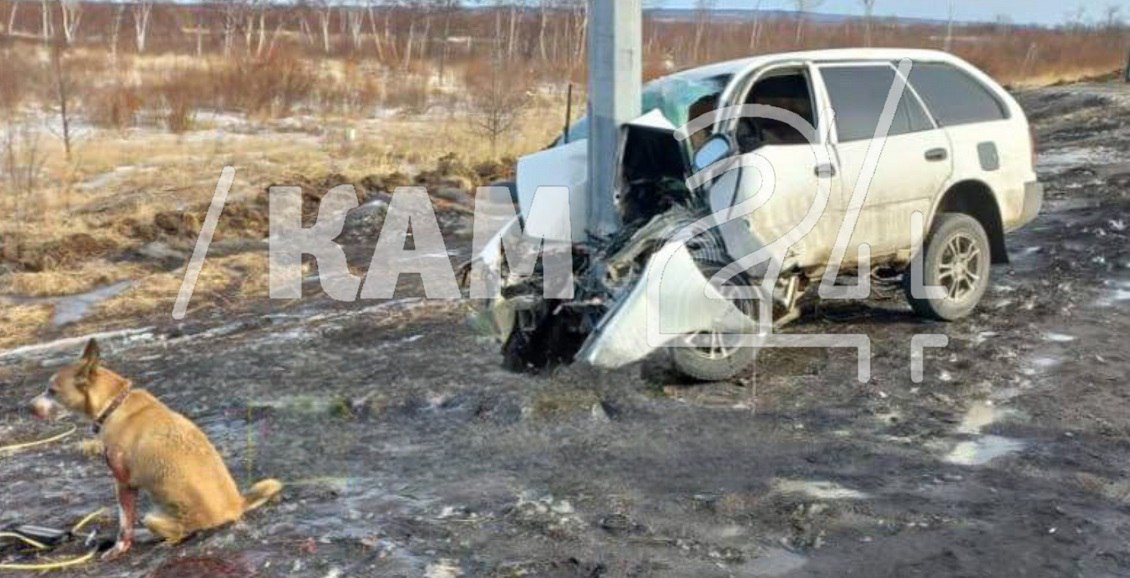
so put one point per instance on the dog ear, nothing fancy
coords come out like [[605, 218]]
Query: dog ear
[[91, 356]]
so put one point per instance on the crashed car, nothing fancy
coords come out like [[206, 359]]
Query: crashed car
[[745, 185]]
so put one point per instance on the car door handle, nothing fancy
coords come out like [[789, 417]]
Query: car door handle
[[826, 170], [935, 155]]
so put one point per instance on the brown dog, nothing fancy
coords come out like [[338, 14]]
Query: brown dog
[[152, 448]]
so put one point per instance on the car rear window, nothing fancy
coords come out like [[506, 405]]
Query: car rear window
[[953, 96], [858, 95]]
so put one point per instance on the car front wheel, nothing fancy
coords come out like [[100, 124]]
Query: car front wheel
[[957, 261], [713, 355]]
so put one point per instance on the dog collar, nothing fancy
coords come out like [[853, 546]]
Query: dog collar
[[114, 404]]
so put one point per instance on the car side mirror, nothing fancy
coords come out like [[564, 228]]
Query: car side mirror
[[713, 150]]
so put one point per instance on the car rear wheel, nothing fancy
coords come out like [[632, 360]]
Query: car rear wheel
[[957, 259]]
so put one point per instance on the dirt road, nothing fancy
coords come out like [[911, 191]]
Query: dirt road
[[408, 451]]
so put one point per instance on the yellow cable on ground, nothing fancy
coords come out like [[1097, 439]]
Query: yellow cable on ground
[[26, 445], [86, 520], [52, 565], [25, 539], [59, 563]]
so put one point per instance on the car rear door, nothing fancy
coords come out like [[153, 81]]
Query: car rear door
[[886, 179]]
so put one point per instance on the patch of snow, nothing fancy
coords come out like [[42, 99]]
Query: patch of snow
[[121, 339], [443, 569], [818, 489], [983, 450]]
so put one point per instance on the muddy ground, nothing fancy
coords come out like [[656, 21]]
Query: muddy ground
[[408, 451]]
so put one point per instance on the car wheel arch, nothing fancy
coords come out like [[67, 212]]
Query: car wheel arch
[[976, 199]]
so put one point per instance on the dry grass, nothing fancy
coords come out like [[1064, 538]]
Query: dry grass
[[69, 281], [20, 324], [221, 281]]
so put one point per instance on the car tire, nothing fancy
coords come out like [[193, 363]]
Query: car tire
[[696, 364], [716, 363], [957, 257]]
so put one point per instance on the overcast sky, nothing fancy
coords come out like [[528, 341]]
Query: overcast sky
[[1021, 11]]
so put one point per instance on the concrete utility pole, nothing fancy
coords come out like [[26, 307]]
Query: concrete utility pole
[[615, 75]]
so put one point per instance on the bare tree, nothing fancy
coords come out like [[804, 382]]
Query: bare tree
[[868, 17], [803, 8], [141, 12], [62, 83], [72, 15], [413, 7], [446, 9], [580, 15], [703, 15], [949, 29], [1113, 17], [378, 41], [261, 7], [755, 28], [47, 24], [23, 166], [115, 31], [22, 160], [355, 21], [254, 25], [517, 7], [1002, 24], [544, 6], [1077, 19], [324, 9], [233, 13], [12, 17], [497, 100], [197, 29]]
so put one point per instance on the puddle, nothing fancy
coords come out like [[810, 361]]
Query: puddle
[[106, 179], [70, 308], [75, 307], [818, 489], [1040, 364], [1058, 337], [980, 416], [300, 404], [1118, 295], [984, 336], [775, 562], [1071, 204], [1059, 160], [983, 450]]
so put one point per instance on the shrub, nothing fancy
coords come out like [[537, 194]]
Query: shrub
[[114, 107]]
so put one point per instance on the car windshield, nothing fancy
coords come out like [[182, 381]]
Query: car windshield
[[674, 96]]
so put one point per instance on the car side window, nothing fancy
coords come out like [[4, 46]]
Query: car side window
[[953, 96], [858, 95]]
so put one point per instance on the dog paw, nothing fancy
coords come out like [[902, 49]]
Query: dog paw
[[116, 552]]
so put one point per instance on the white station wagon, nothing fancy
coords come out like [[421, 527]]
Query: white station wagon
[[791, 167]]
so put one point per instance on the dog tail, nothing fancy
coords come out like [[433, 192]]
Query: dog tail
[[261, 493]]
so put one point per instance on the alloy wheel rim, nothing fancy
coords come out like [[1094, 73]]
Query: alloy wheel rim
[[715, 348], [959, 271]]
